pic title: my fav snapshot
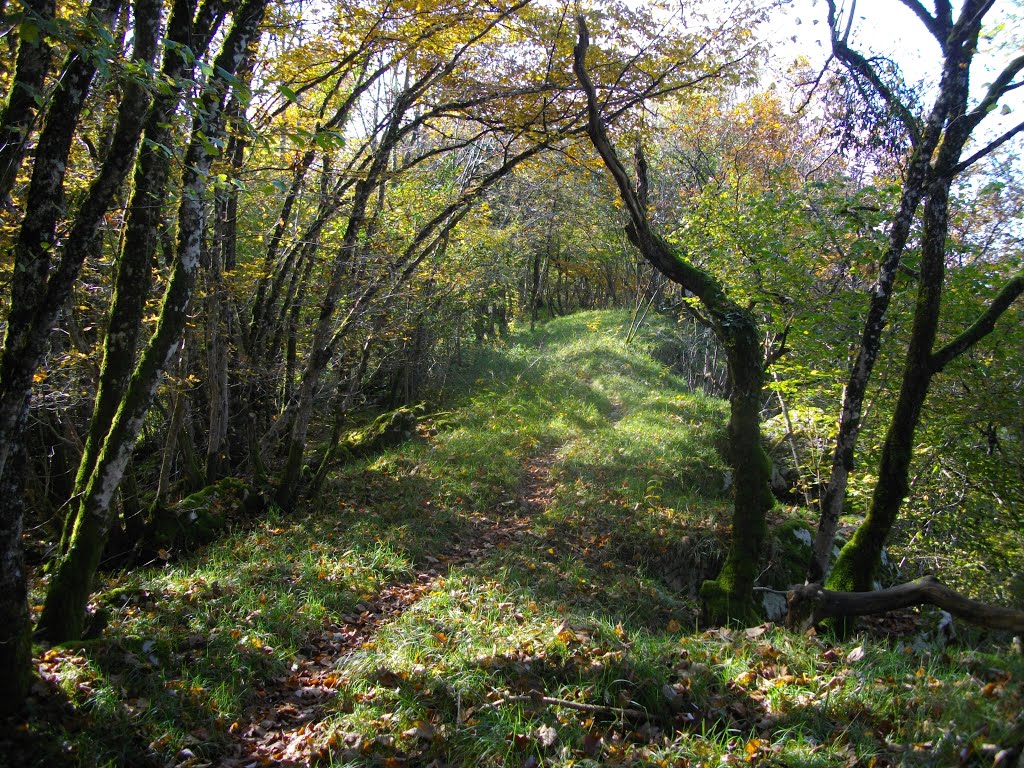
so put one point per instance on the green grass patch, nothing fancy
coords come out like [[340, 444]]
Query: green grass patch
[[502, 591]]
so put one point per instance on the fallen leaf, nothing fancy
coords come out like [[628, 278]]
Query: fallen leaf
[[547, 736], [753, 632], [421, 730]]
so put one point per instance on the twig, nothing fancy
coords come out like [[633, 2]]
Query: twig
[[536, 697]]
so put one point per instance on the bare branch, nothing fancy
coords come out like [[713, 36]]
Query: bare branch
[[939, 29], [778, 347], [856, 62], [989, 148], [1000, 86]]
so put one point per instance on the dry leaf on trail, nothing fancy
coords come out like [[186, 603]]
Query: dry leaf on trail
[[855, 655], [547, 736], [421, 730], [757, 631]]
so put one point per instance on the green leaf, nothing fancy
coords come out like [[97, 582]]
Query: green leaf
[[30, 32]]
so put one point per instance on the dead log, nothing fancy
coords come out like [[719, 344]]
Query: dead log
[[811, 603]]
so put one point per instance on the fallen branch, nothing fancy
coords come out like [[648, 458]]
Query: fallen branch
[[535, 697], [810, 604]]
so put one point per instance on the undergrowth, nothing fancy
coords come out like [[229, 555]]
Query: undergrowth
[[498, 592]]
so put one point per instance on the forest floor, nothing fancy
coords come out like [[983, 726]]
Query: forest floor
[[511, 587]]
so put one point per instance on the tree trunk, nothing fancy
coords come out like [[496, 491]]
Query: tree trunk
[[135, 261], [174, 427], [859, 560], [69, 589], [857, 565], [949, 122], [15, 627], [33, 62], [288, 489], [32, 310], [730, 596], [24, 337], [219, 318]]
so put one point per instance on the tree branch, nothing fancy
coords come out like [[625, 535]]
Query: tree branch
[[810, 604], [537, 698], [935, 25], [988, 148], [778, 347], [1000, 86], [855, 62], [982, 326]]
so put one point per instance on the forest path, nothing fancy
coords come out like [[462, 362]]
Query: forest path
[[286, 726]]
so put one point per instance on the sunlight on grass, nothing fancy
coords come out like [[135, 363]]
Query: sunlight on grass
[[496, 592]]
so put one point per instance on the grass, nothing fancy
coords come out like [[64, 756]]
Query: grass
[[498, 592]]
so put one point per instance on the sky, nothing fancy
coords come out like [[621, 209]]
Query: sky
[[884, 27], [889, 28]]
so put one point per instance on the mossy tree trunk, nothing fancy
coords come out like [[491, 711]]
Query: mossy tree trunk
[[924, 140], [69, 589], [138, 248], [730, 595], [858, 562], [38, 292], [30, 69]]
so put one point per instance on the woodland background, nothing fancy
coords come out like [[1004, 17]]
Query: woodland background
[[247, 245]]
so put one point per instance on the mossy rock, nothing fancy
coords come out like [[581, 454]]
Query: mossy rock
[[790, 552], [789, 555], [201, 517], [387, 430]]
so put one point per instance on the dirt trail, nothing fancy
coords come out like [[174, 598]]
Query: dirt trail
[[284, 727]]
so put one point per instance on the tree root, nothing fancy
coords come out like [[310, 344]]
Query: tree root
[[811, 603]]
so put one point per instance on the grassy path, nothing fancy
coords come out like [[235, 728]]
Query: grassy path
[[510, 588]]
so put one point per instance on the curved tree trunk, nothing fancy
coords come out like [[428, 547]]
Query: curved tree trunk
[[730, 596]]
